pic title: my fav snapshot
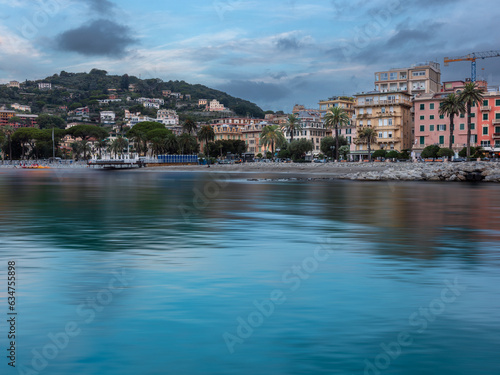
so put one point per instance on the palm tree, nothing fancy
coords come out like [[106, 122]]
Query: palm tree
[[186, 143], [118, 145], [271, 135], [370, 136], [335, 117], [189, 126], [292, 125], [8, 131], [451, 106], [470, 95], [102, 144], [206, 134]]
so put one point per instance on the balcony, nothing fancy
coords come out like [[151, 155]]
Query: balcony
[[496, 121], [496, 135], [485, 108]]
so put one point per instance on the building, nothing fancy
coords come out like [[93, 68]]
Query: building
[[313, 129], [82, 112], [167, 117], [107, 117], [166, 92], [14, 84], [45, 86], [488, 119], [215, 106], [131, 87], [347, 104], [202, 102], [390, 115], [417, 79], [431, 128], [250, 133], [20, 107]]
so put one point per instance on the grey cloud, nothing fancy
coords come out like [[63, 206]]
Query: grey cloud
[[286, 44], [100, 37], [100, 6], [279, 75]]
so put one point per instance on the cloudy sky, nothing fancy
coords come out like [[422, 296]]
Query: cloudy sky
[[274, 53]]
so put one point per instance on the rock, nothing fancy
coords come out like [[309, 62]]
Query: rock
[[461, 177], [453, 178]]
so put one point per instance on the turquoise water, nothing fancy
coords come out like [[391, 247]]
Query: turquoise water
[[198, 273]]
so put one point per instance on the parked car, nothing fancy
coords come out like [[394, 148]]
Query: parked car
[[458, 160]]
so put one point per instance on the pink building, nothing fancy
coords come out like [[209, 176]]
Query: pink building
[[431, 128], [489, 123]]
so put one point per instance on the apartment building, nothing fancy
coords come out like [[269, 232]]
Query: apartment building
[[431, 128], [313, 129], [251, 136], [417, 79], [389, 113], [488, 119]]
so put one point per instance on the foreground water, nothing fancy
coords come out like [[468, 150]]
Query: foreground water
[[182, 273]]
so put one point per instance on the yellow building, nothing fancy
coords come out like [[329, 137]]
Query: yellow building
[[389, 113], [251, 136], [345, 102], [226, 132], [417, 79]]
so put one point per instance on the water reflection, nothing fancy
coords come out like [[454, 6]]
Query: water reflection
[[197, 264]]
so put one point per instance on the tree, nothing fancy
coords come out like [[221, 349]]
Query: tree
[[187, 144], [189, 126], [470, 95], [344, 151], [124, 82], [8, 131], [335, 117], [207, 134], [476, 152], [45, 121], [86, 132], [446, 152], [118, 145], [272, 136], [451, 106], [299, 148], [430, 151], [393, 154], [139, 134], [100, 145], [328, 142], [25, 136], [379, 154], [292, 125], [370, 136]]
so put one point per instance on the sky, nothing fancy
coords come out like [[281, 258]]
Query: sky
[[273, 53]]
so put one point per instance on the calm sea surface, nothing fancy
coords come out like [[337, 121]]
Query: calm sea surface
[[196, 273]]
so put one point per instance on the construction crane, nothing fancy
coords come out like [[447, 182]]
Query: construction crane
[[472, 57]]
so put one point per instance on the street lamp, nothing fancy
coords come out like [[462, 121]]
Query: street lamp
[[332, 148]]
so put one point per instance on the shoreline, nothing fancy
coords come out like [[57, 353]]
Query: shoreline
[[406, 171]]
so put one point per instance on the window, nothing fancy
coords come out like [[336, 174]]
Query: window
[[497, 102], [422, 117], [441, 128], [422, 128], [485, 143], [380, 122], [422, 107], [431, 117], [462, 115], [418, 73], [380, 134], [431, 128], [441, 139], [485, 130], [473, 115], [431, 106], [394, 76], [485, 116], [485, 103], [369, 123], [462, 126], [390, 122], [441, 117], [422, 140], [497, 116], [376, 77], [497, 129], [383, 76], [382, 110], [472, 126], [402, 75]]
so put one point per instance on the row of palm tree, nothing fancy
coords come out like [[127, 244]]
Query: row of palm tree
[[461, 103]]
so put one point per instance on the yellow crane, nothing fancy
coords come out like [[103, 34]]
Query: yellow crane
[[472, 57]]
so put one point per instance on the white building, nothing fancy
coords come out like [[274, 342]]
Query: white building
[[21, 107], [313, 129], [45, 86], [167, 117], [108, 117], [215, 106], [14, 84]]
